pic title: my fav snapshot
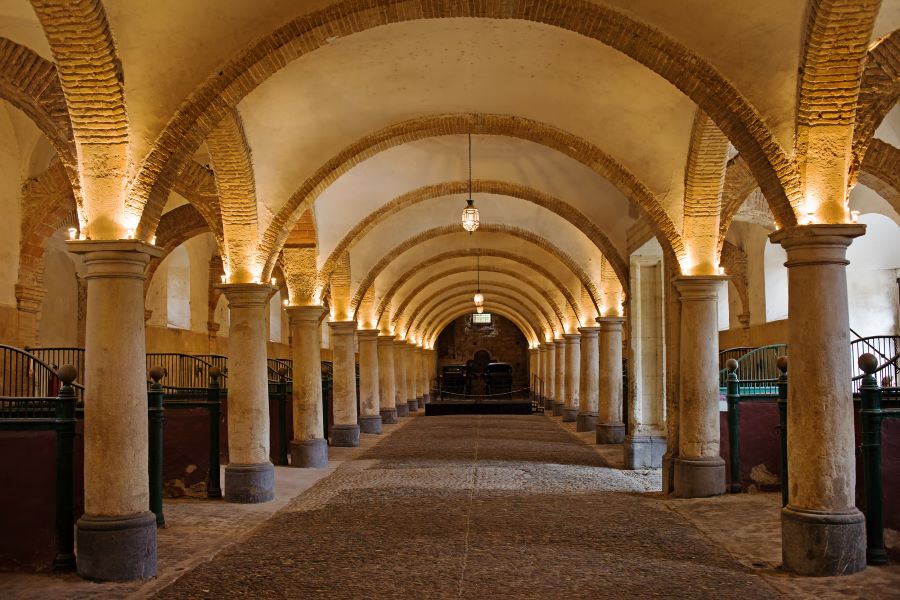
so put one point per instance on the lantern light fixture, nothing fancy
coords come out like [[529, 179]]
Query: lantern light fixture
[[73, 233], [854, 216], [470, 219]]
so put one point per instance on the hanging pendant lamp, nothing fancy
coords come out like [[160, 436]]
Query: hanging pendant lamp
[[470, 213]]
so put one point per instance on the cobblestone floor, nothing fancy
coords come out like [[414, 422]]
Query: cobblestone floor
[[476, 507]]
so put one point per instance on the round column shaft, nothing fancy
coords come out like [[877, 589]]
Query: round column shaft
[[822, 532], [409, 354], [309, 448], [610, 427], [699, 470], [550, 376], [573, 376], [116, 536], [559, 378], [386, 383], [542, 375], [421, 378], [400, 378], [369, 398], [250, 476], [588, 392], [345, 430]]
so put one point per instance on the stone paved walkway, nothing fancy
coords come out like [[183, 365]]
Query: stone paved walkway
[[475, 507]]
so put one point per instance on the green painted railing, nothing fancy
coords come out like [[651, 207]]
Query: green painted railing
[[757, 370]]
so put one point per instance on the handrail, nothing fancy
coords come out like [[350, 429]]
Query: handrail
[[49, 373], [767, 369]]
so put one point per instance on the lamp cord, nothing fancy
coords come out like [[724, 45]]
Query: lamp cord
[[470, 165]]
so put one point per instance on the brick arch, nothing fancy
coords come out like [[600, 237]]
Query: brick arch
[[467, 269], [692, 75], [480, 124], [881, 171], [492, 289], [554, 205], [30, 83], [878, 93], [507, 303], [483, 229], [236, 186], [92, 82], [570, 299], [175, 228], [739, 183], [527, 329]]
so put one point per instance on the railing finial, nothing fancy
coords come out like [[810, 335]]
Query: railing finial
[[731, 365], [868, 363], [67, 373], [782, 364], [156, 373]]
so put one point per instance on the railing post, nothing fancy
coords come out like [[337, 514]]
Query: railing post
[[733, 398], [155, 464], [871, 417], [65, 452], [782, 364], [214, 486], [282, 417]]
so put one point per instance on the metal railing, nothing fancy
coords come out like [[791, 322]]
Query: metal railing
[[181, 370], [736, 353], [24, 375], [57, 357], [885, 349], [757, 370]]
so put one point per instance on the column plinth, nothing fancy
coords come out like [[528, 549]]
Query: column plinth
[[400, 378], [822, 532], [588, 381], [699, 470], [386, 391], [573, 377], [116, 536], [309, 448], [250, 476], [610, 428], [345, 429]]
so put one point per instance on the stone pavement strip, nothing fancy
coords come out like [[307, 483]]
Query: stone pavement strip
[[475, 507]]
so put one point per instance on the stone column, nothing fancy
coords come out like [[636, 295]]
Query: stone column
[[409, 357], [386, 383], [541, 373], [116, 536], [400, 378], [550, 376], [309, 448], [822, 532], [250, 476], [588, 381], [559, 377], [345, 430], [611, 428], [699, 470], [532, 365], [421, 377], [573, 376], [369, 398]]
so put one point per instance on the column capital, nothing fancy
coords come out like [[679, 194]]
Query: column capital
[[114, 258], [29, 297], [817, 244], [572, 337], [559, 342], [385, 339], [306, 314], [367, 334], [611, 323], [589, 331], [247, 294], [399, 343], [699, 287], [342, 327]]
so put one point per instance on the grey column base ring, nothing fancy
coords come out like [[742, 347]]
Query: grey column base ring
[[818, 543], [644, 452], [345, 436], [121, 548], [370, 424], [403, 410], [570, 415], [309, 454], [413, 405], [388, 416], [548, 404], [610, 433], [699, 477], [586, 421], [558, 408], [249, 484]]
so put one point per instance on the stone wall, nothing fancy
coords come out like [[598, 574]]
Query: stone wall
[[461, 339]]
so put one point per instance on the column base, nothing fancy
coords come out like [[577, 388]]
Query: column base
[[388, 416], [548, 404], [570, 415], [699, 477], [558, 408], [823, 543], [370, 424], [250, 484], [426, 399], [309, 454], [644, 452], [403, 410], [116, 548], [413, 405], [610, 433], [586, 421], [345, 436], [668, 471]]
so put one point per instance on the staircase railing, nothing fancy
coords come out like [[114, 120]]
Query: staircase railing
[[24, 375], [757, 370], [885, 349]]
